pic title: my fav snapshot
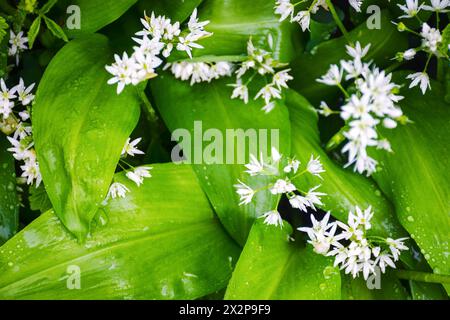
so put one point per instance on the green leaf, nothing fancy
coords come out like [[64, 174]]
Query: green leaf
[[180, 105], [177, 10], [39, 200], [34, 31], [80, 126], [154, 246], [95, 14], [344, 188], [48, 6], [9, 204], [55, 29], [233, 22], [386, 287], [310, 66], [415, 176], [3, 27], [273, 267]]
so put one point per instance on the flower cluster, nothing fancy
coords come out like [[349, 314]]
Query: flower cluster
[[260, 62], [137, 175], [432, 40], [158, 38], [286, 9], [17, 44], [14, 122], [283, 184], [353, 249], [198, 72], [372, 104]]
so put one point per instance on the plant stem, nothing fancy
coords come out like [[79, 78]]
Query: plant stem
[[149, 111], [338, 21], [343, 90], [423, 276], [394, 66], [336, 140]]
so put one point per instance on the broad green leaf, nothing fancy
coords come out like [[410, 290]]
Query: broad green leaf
[[95, 14], [273, 267], [161, 242], [415, 176], [386, 287], [34, 31], [233, 22], [80, 126], [9, 202], [39, 200], [344, 188], [55, 29], [310, 66], [180, 105], [177, 10]]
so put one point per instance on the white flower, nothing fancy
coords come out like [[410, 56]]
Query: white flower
[[240, 91], [269, 107], [396, 246], [122, 70], [187, 43], [431, 38], [384, 144], [17, 42], [273, 218], [389, 123], [24, 93], [319, 228], [315, 166], [130, 147], [255, 166], [117, 190], [438, 6], [303, 18], [31, 171], [356, 4], [313, 197], [422, 78], [299, 202], [292, 166], [268, 92], [409, 54], [282, 186], [362, 218], [245, 192], [384, 260], [138, 175], [356, 107], [24, 115], [284, 8], [20, 149], [333, 77], [145, 65], [281, 78], [357, 52], [411, 8]]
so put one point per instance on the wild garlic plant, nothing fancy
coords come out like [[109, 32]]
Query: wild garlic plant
[[373, 104], [286, 9], [261, 63], [257, 63], [17, 44], [15, 107], [137, 175], [285, 171], [353, 249], [156, 41], [432, 41]]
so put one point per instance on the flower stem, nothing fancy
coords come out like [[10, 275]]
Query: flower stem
[[343, 90], [338, 21], [149, 111], [423, 276], [336, 140], [394, 66]]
